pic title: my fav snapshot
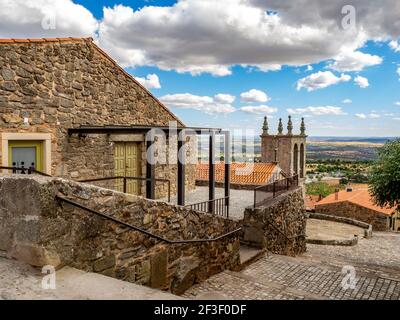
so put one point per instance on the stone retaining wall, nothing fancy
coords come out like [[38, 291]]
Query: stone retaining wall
[[39, 230], [378, 220], [287, 214]]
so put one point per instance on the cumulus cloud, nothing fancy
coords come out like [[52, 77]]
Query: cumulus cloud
[[394, 45], [239, 32], [254, 95], [206, 104], [321, 79], [45, 18], [317, 111], [236, 32], [347, 101], [150, 82], [262, 109], [367, 116], [224, 98], [354, 61], [361, 82], [397, 103]]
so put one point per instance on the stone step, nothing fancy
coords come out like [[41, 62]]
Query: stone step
[[249, 255]]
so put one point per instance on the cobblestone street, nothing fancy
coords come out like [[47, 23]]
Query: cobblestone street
[[316, 274]]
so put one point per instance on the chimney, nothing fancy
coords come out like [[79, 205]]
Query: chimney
[[337, 194]]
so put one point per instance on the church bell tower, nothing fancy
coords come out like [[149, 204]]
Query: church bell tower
[[288, 150]]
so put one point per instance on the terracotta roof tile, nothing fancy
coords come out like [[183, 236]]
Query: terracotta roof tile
[[361, 197], [255, 174]]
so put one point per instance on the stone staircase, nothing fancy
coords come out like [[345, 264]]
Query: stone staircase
[[249, 255]]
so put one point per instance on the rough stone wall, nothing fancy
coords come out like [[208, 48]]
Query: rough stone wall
[[61, 85], [39, 230], [379, 221], [280, 226]]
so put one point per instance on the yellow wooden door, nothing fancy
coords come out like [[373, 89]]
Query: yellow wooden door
[[127, 163], [132, 166]]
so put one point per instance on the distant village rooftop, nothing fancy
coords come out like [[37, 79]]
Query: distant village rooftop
[[360, 197]]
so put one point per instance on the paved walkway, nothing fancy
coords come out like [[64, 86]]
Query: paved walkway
[[21, 281], [239, 199], [317, 274], [330, 230]]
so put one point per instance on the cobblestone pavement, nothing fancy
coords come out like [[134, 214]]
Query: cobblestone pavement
[[317, 274]]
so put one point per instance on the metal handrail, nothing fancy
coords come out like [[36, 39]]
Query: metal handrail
[[105, 216], [132, 178], [28, 170], [210, 205], [275, 193]]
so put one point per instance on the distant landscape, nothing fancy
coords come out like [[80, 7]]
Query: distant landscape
[[354, 149]]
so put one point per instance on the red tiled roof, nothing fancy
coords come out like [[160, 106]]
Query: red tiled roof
[[102, 52], [241, 173], [361, 197]]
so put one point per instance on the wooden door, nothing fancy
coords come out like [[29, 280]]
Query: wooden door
[[127, 163]]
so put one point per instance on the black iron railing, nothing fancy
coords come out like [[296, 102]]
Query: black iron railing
[[125, 179], [220, 206], [135, 228], [23, 170], [264, 193]]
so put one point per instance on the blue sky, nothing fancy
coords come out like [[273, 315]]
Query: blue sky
[[222, 66]]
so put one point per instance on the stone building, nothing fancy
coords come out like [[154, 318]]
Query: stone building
[[359, 205], [288, 150], [48, 86]]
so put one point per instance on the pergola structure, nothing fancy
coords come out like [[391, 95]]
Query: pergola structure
[[150, 167]]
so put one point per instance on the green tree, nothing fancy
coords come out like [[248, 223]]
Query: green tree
[[384, 176]]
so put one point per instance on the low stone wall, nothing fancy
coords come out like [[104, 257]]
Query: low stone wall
[[37, 229], [379, 221], [367, 227], [279, 226]]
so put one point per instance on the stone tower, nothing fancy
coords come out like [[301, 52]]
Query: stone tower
[[288, 150]]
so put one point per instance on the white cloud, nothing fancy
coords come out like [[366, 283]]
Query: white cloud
[[254, 95], [309, 68], [397, 103], [224, 98], [317, 111], [367, 116], [45, 18], [239, 32], [262, 109], [354, 61], [397, 119], [321, 79], [236, 32], [398, 70], [361, 82], [150, 82], [206, 104], [347, 101], [394, 45]]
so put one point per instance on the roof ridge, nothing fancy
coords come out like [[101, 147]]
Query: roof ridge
[[37, 40]]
